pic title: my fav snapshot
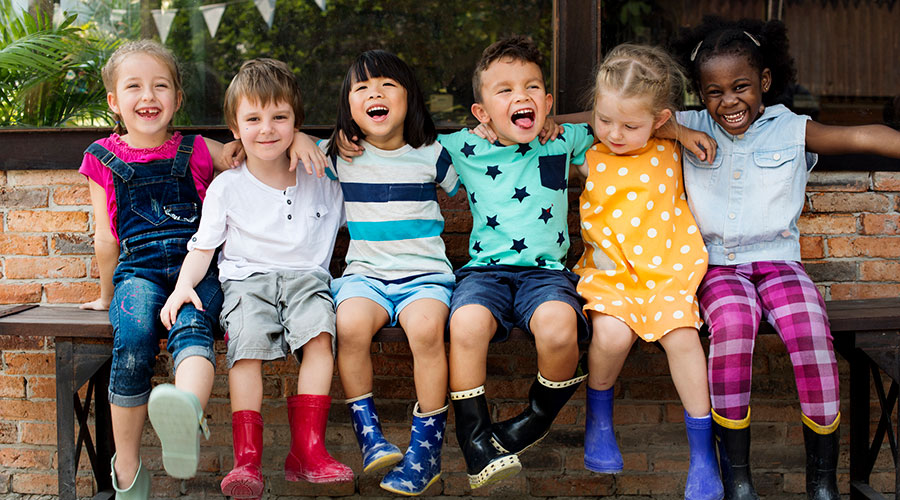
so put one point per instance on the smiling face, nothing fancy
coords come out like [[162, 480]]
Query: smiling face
[[145, 98], [732, 91], [266, 132], [378, 106], [514, 101], [625, 124]]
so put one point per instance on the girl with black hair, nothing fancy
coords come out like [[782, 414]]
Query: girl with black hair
[[747, 203], [397, 269]]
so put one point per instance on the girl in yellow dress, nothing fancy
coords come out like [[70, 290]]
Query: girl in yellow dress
[[644, 257]]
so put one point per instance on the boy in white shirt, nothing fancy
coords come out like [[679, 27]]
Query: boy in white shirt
[[277, 229]]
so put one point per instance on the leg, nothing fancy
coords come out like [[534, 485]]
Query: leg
[[687, 363], [195, 375], [245, 390], [245, 387], [424, 322], [555, 328], [128, 424], [317, 367], [358, 319], [471, 329]]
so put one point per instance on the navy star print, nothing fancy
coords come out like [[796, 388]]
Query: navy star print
[[518, 245], [472, 197], [492, 222], [545, 214], [468, 149], [493, 171], [493, 262], [523, 148], [561, 239], [541, 262], [477, 247], [521, 194]]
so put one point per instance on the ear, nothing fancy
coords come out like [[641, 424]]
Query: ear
[[112, 102], [662, 118], [236, 132], [178, 99], [765, 80], [480, 113], [549, 103]]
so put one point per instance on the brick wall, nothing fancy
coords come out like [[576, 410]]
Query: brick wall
[[850, 245]]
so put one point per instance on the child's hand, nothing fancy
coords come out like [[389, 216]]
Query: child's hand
[[99, 304], [181, 295], [304, 150], [348, 148], [549, 131], [485, 132], [232, 154], [702, 145]]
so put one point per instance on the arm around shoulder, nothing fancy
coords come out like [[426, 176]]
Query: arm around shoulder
[[871, 139]]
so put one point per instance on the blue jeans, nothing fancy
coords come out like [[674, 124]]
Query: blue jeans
[[143, 280]]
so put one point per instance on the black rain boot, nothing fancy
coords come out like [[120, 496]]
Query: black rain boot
[[733, 440], [484, 463], [822, 448], [545, 400]]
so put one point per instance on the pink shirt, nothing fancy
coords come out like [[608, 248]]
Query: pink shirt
[[201, 166]]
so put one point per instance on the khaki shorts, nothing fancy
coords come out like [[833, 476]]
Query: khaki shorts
[[270, 315]]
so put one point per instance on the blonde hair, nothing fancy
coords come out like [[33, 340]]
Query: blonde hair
[[149, 47], [263, 80], [642, 71]]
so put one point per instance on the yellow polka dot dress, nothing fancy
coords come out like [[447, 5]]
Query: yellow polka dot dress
[[643, 254]]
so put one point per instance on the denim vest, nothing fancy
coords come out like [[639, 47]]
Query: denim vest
[[156, 200], [747, 202]]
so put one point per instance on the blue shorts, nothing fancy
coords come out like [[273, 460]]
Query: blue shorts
[[393, 296], [512, 294]]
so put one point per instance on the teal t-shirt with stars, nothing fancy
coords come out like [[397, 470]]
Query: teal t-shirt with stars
[[518, 196]]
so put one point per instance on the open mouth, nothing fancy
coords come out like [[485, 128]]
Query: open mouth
[[735, 118], [523, 118], [148, 112], [377, 112]]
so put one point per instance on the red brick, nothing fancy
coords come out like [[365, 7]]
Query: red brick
[[17, 244], [864, 246], [655, 483], [883, 224], [72, 244], [34, 483], [24, 198], [30, 363], [47, 221], [38, 433], [72, 293], [14, 409], [12, 387], [879, 270], [42, 387], [20, 294], [45, 267], [23, 458], [579, 485], [850, 202], [73, 195], [812, 247], [886, 181], [44, 177], [838, 181], [852, 291], [827, 224]]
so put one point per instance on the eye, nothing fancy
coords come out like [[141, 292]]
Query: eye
[[358, 88], [534, 86], [390, 84], [504, 90], [281, 117], [631, 127], [713, 93], [742, 87]]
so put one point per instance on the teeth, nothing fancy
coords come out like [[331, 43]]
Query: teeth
[[378, 108], [522, 112], [734, 117]]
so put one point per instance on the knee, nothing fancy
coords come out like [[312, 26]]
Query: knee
[[471, 326], [318, 345], [354, 333], [554, 316], [426, 338], [611, 335]]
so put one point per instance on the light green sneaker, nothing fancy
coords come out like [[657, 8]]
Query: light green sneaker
[[140, 486], [178, 419]]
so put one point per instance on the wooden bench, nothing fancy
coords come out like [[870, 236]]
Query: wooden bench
[[866, 332]]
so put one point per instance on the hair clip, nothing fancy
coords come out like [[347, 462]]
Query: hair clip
[[752, 38], [696, 49]]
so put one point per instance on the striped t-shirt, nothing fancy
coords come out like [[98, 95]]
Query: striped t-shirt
[[395, 222]]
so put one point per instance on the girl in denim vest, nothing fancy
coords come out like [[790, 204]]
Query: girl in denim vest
[[747, 203]]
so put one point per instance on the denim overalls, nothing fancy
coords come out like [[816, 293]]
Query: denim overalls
[[158, 211]]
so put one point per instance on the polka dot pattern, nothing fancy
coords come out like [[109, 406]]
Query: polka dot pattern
[[648, 232]]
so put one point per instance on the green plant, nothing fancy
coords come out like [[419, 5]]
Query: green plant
[[50, 74]]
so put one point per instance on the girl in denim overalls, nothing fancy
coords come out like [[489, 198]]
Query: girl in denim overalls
[[747, 203], [146, 188]]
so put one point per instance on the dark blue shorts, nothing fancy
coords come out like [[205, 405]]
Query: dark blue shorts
[[513, 293]]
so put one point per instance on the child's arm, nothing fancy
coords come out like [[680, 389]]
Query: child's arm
[[548, 132], [224, 156], [873, 139], [348, 148], [702, 145], [193, 269], [305, 150], [105, 247]]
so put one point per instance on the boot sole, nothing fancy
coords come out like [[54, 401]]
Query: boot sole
[[242, 488], [412, 493], [296, 477], [176, 422], [496, 444], [498, 470], [385, 461], [601, 469]]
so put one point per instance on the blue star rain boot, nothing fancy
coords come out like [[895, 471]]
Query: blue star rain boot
[[377, 452], [421, 465]]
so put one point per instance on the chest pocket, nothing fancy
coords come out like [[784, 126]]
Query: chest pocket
[[701, 174], [156, 200], [553, 171], [776, 166], [316, 222]]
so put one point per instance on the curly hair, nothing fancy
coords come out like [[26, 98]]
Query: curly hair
[[764, 44], [516, 47]]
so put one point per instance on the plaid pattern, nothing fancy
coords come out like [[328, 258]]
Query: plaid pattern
[[733, 299]]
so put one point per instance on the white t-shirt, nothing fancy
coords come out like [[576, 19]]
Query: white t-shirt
[[266, 229]]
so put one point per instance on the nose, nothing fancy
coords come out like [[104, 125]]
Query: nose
[[729, 99]]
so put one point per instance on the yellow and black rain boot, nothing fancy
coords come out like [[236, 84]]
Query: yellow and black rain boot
[[733, 440], [822, 448]]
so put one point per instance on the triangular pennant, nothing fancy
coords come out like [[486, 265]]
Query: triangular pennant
[[163, 20], [116, 15], [212, 14], [321, 4], [267, 10]]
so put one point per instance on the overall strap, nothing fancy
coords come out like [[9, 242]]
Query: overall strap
[[111, 161], [183, 156]]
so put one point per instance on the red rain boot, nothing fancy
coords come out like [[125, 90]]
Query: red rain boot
[[308, 460], [245, 480]]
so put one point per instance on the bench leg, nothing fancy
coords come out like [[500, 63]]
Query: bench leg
[[65, 419]]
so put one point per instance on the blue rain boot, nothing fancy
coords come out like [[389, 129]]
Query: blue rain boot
[[601, 452], [377, 452], [703, 481], [421, 465]]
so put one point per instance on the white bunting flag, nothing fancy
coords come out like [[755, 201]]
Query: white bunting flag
[[163, 20], [212, 14], [267, 10], [116, 15], [321, 4]]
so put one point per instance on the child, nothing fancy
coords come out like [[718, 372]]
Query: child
[[146, 187], [277, 230], [747, 203], [397, 270], [643, 256]]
